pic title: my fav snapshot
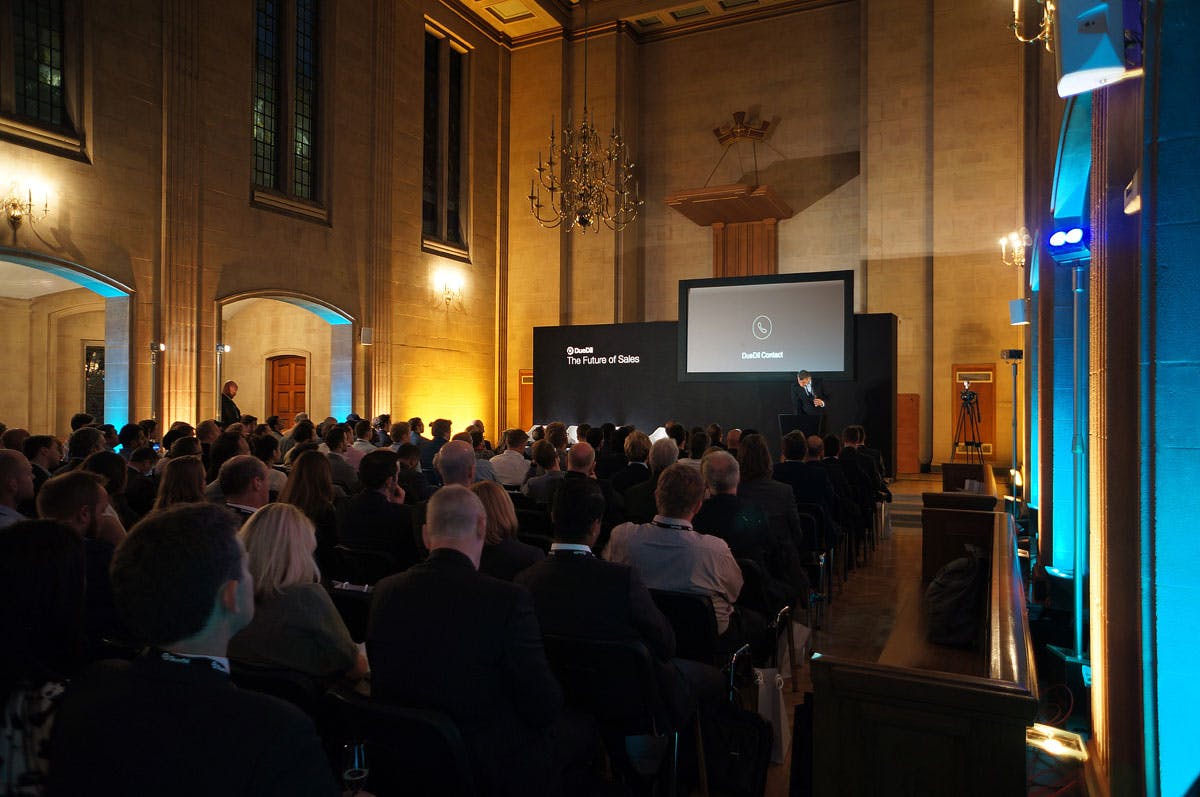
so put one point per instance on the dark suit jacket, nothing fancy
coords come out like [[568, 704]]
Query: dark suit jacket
[[229, 411], [778, 501], [639, 501], [508, 557], [803, 403], [745, 528], [140, 491], [368, 520], [152, 727], [429, 450], [809, 481], [443, 636], [579, 595], [631, 474]]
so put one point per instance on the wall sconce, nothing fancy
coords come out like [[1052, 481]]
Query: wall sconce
[[19, 205], [224, 348], [1013, 246], [1045, 33], [448, 286]]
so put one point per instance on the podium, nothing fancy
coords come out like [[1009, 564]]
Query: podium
[[809, 424]]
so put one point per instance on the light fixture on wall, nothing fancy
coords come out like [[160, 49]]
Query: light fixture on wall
[[1045, 33], [448, 287], [25, 202], [224, 348], [1013, 246], [588, 184]]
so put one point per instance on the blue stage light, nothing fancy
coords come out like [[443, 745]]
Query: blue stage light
[[1074, 235], [1058, 239]]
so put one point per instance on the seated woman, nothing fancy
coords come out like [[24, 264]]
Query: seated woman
[[295, 623], [310, 488], [41, 612], [182, 482], [503, 554]]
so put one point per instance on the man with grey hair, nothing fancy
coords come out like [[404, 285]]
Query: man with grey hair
[[478, 647], [639, 499]]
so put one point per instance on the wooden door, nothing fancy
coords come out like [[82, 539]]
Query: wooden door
[[289, 376], [525, 399], [982, 380], [908, 433]]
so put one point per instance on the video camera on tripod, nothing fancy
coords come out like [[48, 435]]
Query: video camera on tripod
[[966, 430]]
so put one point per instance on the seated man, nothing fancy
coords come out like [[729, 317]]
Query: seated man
[[171, 722], [377, 518], [577, 595], [510, 466], [245, 484], [540, 489], [671, 555], [441, 635]]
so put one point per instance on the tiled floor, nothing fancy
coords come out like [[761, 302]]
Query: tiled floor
[[860, 618]]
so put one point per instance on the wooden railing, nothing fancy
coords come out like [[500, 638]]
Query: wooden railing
[[927, 720]]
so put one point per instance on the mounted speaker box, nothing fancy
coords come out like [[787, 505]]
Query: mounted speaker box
[[1089, 44]]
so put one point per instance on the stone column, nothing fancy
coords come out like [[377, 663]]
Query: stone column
[[378, 304]]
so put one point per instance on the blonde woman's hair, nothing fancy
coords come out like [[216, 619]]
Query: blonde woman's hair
[[279, 540], [501, 516]]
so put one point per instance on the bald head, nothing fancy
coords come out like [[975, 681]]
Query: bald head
[[455, 519], [456, 463], [581, 458]]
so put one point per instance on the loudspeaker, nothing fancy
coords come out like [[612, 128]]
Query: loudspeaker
[[367, 336], [1018, 311], [1089, 44]]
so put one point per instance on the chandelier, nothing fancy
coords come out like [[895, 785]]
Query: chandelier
[[587, 183]]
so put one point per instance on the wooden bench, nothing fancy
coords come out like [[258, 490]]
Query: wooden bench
[[930, 720], [953, 518]]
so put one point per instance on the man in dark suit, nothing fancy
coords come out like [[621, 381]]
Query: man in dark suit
[[807, 397], [809, 481], [440, 429], [245, 484], [141, 487], [171, 722], [637, 449], [640, 505], [377, 518], [578, 595], [581, 465], [443, 636]]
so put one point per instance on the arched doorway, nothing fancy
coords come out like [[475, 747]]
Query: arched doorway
[[68, 334], [288, 353]]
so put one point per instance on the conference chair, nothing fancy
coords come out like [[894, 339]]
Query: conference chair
[[694, 622], [297, 688], [614, 681], [361, 565], [755, 587], [408, 750], [353, 602]]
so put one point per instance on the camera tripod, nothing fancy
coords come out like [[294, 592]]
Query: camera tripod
[[966, 430]]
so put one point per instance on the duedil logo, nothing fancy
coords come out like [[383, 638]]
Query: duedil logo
[[573, 350]]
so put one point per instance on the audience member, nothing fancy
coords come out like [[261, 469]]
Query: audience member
[[456, 463], [171, 721], [809, 481], [295, 625], [303, 432], [733, 438], [401, 435], [80, 420], [483, 468], [244, 484], [503, 554], [540, 489], [381, 428], [14, 439], [131, 437], [640, 503], [140, 485], [697, 445], [310, 489], [182, 482], [440, 429], [417, 488], [81, 444], [581, 464], [113, 469], [265, 447], [416, 429], [45, 453], [478, 651], [364, 443], [510, 466], [775, 498], [636, 471], [16, 486], [41, 612], [228, 445], [344, 474], [716, 439], [578, 595], [670, 555], [376, 518]]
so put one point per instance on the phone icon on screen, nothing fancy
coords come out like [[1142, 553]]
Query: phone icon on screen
[[762, 327]]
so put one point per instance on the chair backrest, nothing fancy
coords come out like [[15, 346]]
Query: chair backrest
[[694, 622], [612, 680], [293, 686], [353, 603], [535, 521], [409, 750], [537, 540], [361, 565], [754, 594]]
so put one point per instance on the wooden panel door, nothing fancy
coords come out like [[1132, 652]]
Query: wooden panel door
[[289, 376], [908, 433]]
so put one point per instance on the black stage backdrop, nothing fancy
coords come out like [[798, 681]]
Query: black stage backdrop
[[626, 374]]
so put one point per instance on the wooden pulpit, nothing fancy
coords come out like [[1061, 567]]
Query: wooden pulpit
[[744, 221]]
